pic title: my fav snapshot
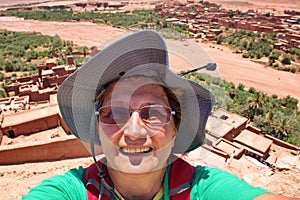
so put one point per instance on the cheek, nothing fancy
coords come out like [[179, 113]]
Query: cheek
[[110, 132], [164, 135], [171, 130]]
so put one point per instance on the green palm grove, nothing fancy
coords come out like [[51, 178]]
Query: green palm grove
[[275, 116]]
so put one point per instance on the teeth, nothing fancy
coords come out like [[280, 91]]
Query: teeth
[[136, 150]]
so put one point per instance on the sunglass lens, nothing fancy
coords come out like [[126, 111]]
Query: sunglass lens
[[154, 114], [117, 115]]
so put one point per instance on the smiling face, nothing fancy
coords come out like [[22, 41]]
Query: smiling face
[[137, 129]]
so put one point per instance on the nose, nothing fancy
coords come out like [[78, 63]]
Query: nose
[[134, 128]]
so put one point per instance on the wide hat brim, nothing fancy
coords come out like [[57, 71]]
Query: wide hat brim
[[141, 53]]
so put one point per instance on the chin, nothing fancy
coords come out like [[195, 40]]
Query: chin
[[136, 164]]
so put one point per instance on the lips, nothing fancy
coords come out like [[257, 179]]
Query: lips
[[135, 151]]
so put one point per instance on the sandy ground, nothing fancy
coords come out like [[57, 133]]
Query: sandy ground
[[233, 68], [16, 180], [277, 7]]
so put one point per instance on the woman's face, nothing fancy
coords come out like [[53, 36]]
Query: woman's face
[[140, 142]]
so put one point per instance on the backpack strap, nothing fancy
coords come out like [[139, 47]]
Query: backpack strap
[[94, 184], [181, 177]]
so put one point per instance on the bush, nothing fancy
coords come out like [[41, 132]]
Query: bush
[[252, 90], [295, 51], [2, 94], [274, 55], [246, 55], [1, 76], [241, 87], [288, 69], [259, 54], [286, 61]]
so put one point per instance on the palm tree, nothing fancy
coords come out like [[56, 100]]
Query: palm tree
[[282, 125], [254, 105]]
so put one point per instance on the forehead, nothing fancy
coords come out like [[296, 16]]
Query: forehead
[[130, 88]]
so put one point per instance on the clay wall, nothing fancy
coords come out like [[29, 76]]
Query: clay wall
[[54, 150], [265, 29], [243, 25], [59, 71], [36, 96], [33, 126]]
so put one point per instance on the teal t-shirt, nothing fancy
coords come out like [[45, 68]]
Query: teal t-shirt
[[209, 184], [60, 187], [216, 184]]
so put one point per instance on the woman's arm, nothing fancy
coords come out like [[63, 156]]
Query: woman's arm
[[274, 197]]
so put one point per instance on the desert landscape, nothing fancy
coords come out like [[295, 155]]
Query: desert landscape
[[231, 67], [16, 180]]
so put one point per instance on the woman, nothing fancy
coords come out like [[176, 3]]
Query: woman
[[126, 100]]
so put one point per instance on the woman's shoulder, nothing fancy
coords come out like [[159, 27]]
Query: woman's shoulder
[[215, 183], [65, 186]]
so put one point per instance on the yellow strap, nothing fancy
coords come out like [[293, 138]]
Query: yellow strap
[[160, 194]]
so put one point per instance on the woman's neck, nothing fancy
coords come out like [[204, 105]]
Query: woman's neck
[[137, 186]]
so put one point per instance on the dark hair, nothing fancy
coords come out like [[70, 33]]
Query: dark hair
[[174, 104]]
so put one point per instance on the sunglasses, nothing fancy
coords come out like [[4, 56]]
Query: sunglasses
[[153, 115]]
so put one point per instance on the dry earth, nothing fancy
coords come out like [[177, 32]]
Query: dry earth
[[16, 180], [272, 6]]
